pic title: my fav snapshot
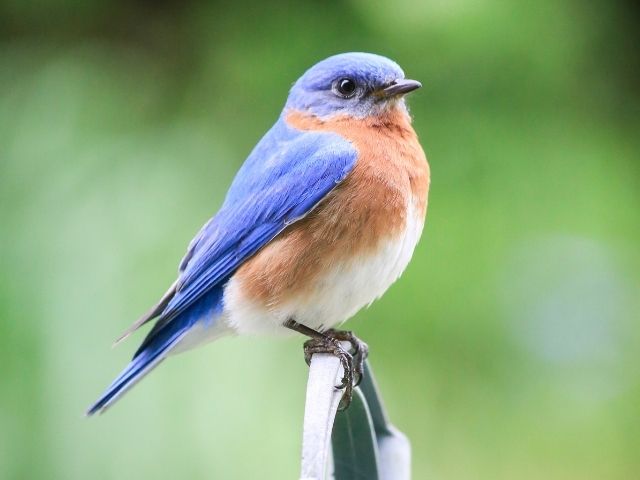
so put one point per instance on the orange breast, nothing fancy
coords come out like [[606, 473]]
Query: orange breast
[[369, 207]]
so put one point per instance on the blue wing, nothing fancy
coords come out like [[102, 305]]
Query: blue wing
[[285, 177]]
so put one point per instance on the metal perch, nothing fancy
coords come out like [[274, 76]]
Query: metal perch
[[352, 444]]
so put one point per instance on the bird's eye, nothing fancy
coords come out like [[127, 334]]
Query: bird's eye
[[345, 87]]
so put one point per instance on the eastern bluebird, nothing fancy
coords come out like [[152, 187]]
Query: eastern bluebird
[[320, 220]]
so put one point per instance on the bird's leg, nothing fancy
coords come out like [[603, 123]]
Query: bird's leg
[[329, 342]]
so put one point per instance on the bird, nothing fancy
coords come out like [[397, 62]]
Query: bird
[[319, 221]]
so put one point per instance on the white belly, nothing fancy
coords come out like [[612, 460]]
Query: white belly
[[336, 296]]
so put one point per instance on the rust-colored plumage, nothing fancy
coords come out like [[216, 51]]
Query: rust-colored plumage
[[389, 182]]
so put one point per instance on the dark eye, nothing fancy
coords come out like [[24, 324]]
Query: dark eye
[[345, 87]]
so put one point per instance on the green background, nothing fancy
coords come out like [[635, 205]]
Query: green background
[[509, 349]]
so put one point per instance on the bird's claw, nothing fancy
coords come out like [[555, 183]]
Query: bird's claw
[[352, 363], [359, 350]]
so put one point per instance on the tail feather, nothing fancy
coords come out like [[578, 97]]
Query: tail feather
[[163, 338], [156, 310], [141, 364]]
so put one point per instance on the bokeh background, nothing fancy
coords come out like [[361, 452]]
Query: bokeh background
[[509, 349]]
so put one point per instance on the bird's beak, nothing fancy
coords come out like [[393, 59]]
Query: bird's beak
[[401, 87]]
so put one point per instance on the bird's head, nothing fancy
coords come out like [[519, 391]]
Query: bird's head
[[353, 84]]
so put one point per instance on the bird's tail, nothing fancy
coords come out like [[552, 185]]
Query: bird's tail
[[140, 365], [161, 340]]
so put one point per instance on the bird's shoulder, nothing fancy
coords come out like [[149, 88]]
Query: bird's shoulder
[[390, 157], [284, 177]]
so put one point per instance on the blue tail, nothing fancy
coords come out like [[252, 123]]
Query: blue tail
[[162, 338]]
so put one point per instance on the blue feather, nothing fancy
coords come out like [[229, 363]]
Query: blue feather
[[286, 175], [158, 343]]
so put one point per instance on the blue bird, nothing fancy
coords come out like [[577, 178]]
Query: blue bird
[[320, 220]]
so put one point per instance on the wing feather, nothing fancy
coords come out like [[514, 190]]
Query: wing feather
[[285, 177]]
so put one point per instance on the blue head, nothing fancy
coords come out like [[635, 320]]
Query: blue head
[[354, 84]]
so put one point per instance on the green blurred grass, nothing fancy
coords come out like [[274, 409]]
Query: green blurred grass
[[509, 347]]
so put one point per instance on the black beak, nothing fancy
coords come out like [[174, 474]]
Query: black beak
[[401, 87]]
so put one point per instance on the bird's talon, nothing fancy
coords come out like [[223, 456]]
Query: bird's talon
[[347, 396], [360, 351], [352, 361]]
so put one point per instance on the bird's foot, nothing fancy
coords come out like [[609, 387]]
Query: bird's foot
[[359, 350], [352, 363]]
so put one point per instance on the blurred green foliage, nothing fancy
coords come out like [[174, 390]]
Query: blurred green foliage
[[509, 349]]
